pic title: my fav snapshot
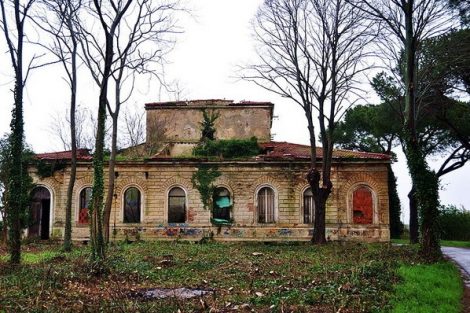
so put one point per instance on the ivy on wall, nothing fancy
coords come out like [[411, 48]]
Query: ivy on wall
[[203, 180]]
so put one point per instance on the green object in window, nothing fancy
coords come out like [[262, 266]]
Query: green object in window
[[220, 222], [223, 202]]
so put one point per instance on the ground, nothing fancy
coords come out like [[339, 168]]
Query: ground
[[262, 277]]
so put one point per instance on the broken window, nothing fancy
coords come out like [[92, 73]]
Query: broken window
[[266, 205], [309, 206], [85, 200], [176, 205], [362, 206], [132, 205], [222, 204]]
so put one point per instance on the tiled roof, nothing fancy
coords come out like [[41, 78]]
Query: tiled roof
[[82, 154], [286, 150]]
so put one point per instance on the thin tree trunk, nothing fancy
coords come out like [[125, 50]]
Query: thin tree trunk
[[111, 178], [73, 170], [414, 223]]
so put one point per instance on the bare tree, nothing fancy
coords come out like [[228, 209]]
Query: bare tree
[[312, 53], [84, 128], [59, 19], [14, 14], [133, 128], [405, 24], [139, 45]]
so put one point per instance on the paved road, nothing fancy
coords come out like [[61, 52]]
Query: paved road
[[462, 257]]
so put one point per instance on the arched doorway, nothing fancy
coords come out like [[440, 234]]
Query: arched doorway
[[40, 213]]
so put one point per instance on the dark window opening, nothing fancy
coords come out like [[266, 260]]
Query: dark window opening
[[85, 201], [222, 204], [266, 205], [40, 213], [309, 207], [176, 205], [132, 205]]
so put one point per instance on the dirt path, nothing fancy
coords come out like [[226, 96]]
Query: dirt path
[[461, 256]]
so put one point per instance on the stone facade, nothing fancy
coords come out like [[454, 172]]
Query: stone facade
[[285, 176], [180, 121], [154, 181]]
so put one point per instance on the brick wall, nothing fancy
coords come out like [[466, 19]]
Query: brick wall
[[242, 179]]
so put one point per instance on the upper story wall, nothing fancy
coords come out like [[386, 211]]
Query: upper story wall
[[180, 121]]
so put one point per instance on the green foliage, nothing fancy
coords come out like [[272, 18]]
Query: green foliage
[[396, 226], [233, 148], [428, 288], [208, 125], [454, 223], [203, 180], [47, 168], [24, 195]]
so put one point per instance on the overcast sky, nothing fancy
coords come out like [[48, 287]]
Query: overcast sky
[[204, 61]]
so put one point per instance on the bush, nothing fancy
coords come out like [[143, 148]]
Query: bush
[[235, 148], [454, 223]]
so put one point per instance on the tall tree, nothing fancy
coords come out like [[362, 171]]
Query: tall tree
[[14, 15], [312, 53], [59, 19], [139, 46], [404, 26], [109, 16]]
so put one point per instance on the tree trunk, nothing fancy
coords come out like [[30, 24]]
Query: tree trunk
[[111, 178], [98, 244], [15, 203], [414, 222], [423, 179], [73, 169]]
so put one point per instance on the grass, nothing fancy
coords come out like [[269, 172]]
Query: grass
[[444, 243], [428, 288], [294, 277]]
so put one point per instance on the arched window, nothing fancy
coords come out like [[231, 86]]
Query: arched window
[[40, 213], [363, 206], [132, 205], [309, 206], [176, 205], [85, 201], [266, 205], [222, 203]]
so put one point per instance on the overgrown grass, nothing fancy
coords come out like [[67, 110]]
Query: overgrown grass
[[294, 277], [428, 288], [444, 243]]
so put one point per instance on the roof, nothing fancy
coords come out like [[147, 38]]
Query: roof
[[207, 102], [273, 150], [82, 155], [287, 150]]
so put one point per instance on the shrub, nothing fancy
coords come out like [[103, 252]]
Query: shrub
[[454, 223], [234, 148]]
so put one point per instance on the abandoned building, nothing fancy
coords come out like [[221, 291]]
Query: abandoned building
[[261, 196]]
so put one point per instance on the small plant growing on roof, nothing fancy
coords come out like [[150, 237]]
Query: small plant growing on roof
[[208, 125]]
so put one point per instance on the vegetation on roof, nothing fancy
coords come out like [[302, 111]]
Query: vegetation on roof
[[232, 148]]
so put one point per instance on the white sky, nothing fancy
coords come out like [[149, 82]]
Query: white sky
[[204, 62]]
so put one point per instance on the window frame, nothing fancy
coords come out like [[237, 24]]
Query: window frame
[[350, 203], [141, 204], [230, 192], [79, 206], [302, 209], [186, 206], [275, 203]]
